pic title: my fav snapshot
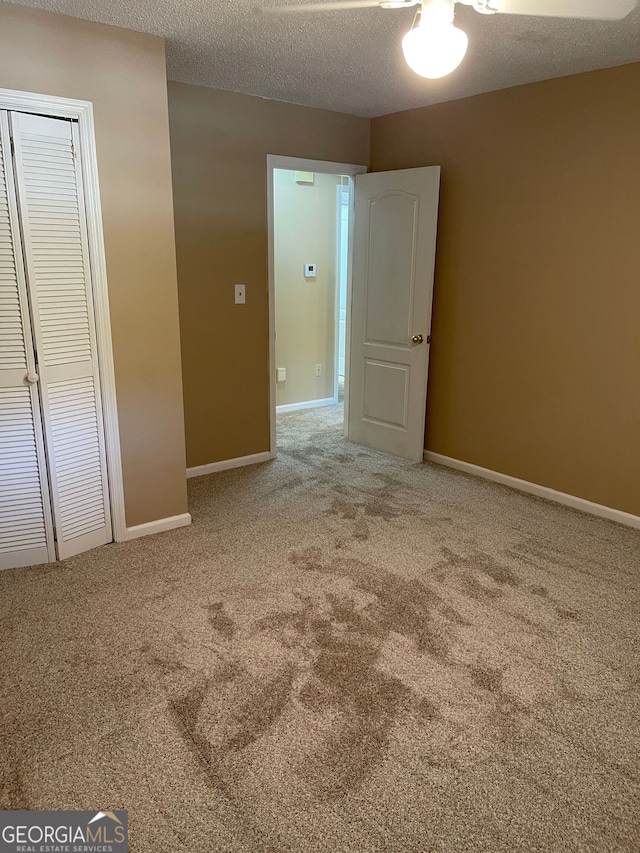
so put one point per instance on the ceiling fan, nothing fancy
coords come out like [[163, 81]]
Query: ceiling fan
[[434, 47]]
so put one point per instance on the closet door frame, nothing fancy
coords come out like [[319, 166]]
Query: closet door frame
[[82, 112]]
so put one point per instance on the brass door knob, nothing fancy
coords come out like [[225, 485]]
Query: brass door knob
[[417, 339]]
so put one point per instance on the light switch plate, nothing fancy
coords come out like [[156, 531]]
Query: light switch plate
[[240, 294], [310, 270]]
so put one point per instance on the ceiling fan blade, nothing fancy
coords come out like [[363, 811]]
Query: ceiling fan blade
[[603, 10], [336, 6]]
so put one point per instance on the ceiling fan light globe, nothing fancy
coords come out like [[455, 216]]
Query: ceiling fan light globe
[[434, 52]]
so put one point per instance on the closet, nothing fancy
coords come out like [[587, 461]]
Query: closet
[[54, 495]]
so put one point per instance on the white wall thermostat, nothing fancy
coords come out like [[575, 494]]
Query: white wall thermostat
[[310, 270]]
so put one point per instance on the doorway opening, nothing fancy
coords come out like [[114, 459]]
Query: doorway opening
[[310, 229], [311, 250]]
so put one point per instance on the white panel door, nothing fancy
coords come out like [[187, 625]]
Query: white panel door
[[26, 535], [51, 205], [393, 263]]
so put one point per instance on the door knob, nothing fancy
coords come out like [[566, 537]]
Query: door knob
[[31, 377], [417, 339]]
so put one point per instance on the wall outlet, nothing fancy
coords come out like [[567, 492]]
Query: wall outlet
[[240, 294], [318, 370], [281, 374]]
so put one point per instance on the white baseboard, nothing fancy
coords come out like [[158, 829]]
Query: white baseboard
[[534, 489], [225, 464], [158, 526], [310, 404]]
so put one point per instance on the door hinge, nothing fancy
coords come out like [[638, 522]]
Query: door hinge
[[73, 151], [13, 147], [428, 339]]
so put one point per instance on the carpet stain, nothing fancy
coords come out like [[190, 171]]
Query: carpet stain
[[344, 636], [345, 759], [479, 592], [185, 711], [434, 642], [309, 559], [540, 591], [452, 558], [484, 564], [487, 678], [168, 667], [360, 739], [568, 614], [374, 502], [402, 605], [338, 673], [250, 719], [345, 613], [303, 456], [220, 620], [496, 571], [381, 508], [294, 628], [427, 709], [507, 719], [229, 671], [188, 706], [342, 508], [287, 486], [361, 530], [260, 710], [344, 678], [12, 792]]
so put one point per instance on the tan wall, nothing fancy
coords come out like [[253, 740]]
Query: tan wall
[[123, 74], [219, 143], [535, 366], [305, 223]]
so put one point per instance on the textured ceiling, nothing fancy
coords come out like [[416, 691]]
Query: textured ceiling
[[351, 61]]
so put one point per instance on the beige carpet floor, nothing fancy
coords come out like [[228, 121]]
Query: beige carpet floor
[[344, 652]]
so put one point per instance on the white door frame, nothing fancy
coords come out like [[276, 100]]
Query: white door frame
[[324, 167], [82, 111], [336, 372]]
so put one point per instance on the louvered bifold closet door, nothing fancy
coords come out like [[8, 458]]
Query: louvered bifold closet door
[[51, 204], [26, 535]]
